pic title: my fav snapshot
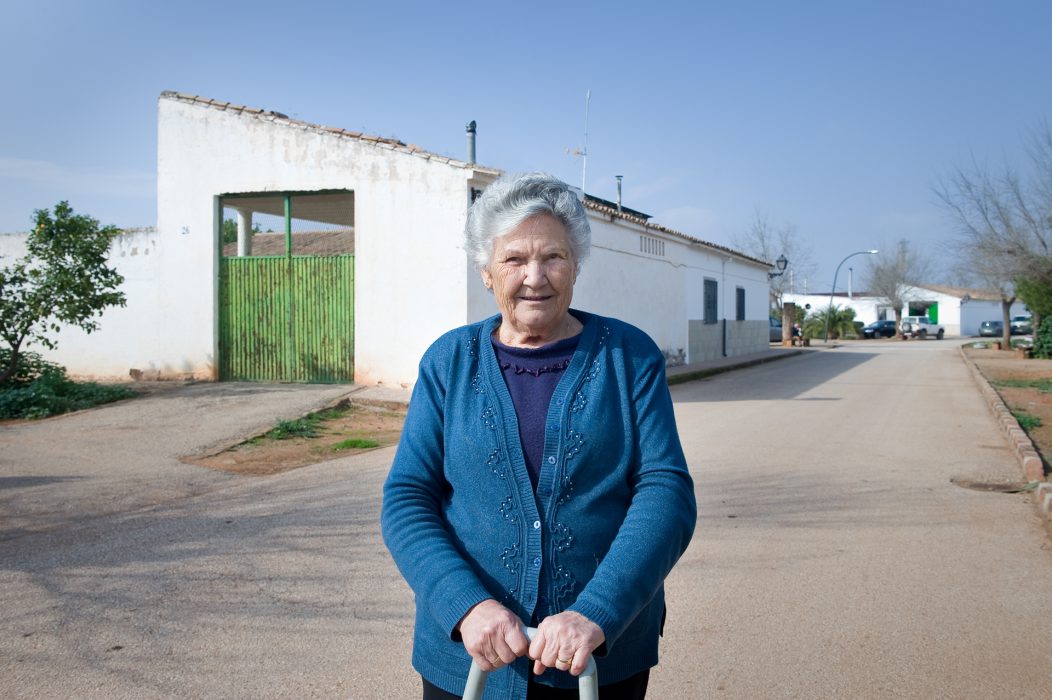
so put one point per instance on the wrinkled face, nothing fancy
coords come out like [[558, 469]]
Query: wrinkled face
[[532, 272]]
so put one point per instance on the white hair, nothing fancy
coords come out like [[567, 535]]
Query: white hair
[[512, 200]]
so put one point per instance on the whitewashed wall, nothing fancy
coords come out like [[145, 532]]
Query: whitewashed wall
[[658, 293], [409, 264], [662, 293], [412, 279], [115, 349]]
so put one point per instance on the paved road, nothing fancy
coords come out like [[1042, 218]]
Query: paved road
[[833, 559]]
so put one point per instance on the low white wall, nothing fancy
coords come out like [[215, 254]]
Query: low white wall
[[114, 350]]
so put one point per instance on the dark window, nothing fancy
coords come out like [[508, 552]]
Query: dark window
[[710, 301], [739, 303]]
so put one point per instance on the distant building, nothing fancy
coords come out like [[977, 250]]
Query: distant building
[[959, 310]]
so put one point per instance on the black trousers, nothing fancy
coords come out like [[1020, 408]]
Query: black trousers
[[631, 688]]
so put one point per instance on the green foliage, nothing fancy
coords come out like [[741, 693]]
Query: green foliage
[[38, 389], [309, 425], [841, 323], [1044, 384], [354, 444], [27, 367], [230, 230], [1027, 421], [300, 427], [1043, 339], [63, 278], [1036, 294]]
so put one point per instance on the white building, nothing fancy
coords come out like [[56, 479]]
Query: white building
[[358, 264], [959, 310]]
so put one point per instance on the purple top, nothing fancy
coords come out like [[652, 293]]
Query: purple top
[[531, 375]]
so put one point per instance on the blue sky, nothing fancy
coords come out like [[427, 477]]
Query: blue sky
[[836, 117]]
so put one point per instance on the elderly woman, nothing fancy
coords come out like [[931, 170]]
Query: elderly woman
[[539, 479]]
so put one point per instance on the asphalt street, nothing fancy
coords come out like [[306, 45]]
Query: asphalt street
[[833, 557]]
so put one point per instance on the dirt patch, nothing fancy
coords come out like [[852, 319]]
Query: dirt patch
[[1005, 365], [262, 455]]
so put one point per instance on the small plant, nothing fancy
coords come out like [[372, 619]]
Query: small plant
[[1044, 385], [1027, 421], [354, 444], [305, 427], [309, 425]]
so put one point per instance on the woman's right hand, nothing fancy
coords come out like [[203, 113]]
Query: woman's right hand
[[493, 635]]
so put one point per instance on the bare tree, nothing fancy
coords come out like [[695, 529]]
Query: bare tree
[[1004, 222], [892, 277], [765, 241]]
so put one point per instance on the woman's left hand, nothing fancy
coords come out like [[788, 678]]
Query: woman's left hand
[[564, 642]]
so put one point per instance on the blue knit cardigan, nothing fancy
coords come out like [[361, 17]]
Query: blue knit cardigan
[[613, 511]]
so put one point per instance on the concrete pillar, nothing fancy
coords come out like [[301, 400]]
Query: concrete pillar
[[244, 232], [788, 318]]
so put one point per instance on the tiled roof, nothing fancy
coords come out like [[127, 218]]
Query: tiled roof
[[612, 211], [591, 202], [977, 294], [278, 117], [959, 292]]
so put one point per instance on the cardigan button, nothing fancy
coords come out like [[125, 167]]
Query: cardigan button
[[551, 459], [536, 562], [536, 524]]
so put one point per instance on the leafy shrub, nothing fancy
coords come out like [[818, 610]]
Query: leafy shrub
[[300, 427], [28, 367], [39, 389], [1043, 339]]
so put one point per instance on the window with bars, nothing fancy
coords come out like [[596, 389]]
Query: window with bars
[[710, 293]]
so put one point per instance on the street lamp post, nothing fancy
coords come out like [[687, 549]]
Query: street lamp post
[[829, 311]]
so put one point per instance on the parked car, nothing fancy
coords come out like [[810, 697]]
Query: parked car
[[879, 329], [991, 329], [776, 330], [921, 327], [1021, 325]]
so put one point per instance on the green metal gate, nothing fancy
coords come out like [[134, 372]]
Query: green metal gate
[[286, 318]]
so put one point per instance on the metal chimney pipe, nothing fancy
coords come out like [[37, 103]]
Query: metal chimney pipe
[[850, 280], [618, 192], [471, 142]]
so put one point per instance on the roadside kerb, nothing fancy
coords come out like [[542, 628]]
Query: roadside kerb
[[701, 370], [1022, 445]]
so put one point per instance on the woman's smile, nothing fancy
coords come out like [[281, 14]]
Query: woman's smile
[[532, 272]]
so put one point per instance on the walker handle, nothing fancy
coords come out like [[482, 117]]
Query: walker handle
[[588, 681]]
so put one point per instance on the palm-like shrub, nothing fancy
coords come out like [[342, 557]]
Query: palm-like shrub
[[841, 323]]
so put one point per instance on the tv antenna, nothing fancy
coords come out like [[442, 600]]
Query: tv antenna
[[583, 152]]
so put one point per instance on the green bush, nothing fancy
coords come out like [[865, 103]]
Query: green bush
[[39, 389], [306, 427], [1043, 339], [29, 366]]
